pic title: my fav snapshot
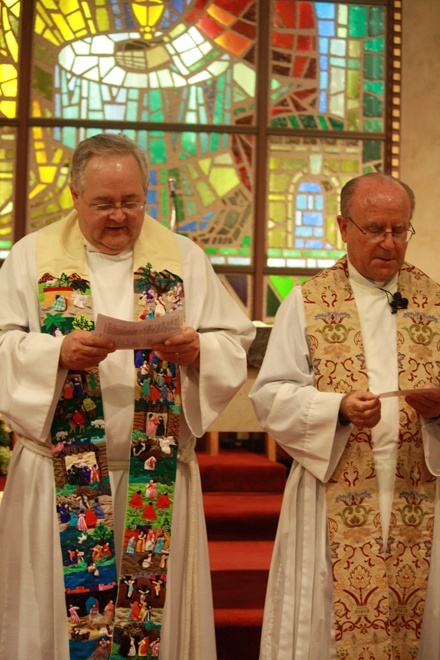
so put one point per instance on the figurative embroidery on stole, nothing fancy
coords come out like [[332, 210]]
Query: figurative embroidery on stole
[[379, 592], [109, 615]]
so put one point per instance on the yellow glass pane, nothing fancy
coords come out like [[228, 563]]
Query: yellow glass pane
[[223, 180], [8, 109]]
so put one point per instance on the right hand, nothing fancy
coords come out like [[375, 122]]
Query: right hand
[[81, 350], [362, 408]]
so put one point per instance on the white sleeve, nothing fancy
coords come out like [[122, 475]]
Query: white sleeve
[[287, 404], [226, 333], [30, 376]]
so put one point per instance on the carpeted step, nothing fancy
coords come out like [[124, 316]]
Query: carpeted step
[[239, 640], [242, 494], [242, 516], [240, 471], [239, 571]]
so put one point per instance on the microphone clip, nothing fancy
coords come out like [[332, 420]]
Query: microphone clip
[[396, 301]]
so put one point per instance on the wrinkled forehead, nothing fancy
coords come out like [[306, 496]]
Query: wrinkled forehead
[[380, 198]]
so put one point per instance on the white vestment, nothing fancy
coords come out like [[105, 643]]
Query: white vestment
[[33, 619], [298, 618]]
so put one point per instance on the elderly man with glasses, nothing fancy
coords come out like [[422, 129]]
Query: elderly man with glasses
[[349, 388], [79, 532]]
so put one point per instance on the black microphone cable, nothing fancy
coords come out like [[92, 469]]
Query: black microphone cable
[[395, 300]]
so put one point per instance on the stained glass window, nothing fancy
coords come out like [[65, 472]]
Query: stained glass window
[[9, 52], [259, 111]]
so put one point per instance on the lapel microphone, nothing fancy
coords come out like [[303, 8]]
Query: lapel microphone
[[396, 301]]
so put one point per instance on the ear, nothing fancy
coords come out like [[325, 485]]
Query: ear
[[343, 223], [75, 197]]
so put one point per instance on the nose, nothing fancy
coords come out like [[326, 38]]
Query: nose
[[118, 213], [388, 235]]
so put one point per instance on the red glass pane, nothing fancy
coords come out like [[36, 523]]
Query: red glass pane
[[210, 27], [306, 16], [299, 66], [234, 6], [283, 40], [286, 10], [246, 29], [305, 43], [194, 14]]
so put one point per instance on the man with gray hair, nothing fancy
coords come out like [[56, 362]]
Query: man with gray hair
[[78, 533]]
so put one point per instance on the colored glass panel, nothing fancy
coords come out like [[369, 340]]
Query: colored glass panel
[[240, 288], [9, 53], [145, 63], [305, 180], [7, 162], [342, 59], [214, 197], [276, 288]]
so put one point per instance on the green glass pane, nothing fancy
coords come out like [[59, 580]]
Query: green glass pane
[[307, 121], [375, 45], [375, 87], [373, 125], [374, 67], [372, 150], [336, 124], [357, 22], [282, 285], [377, 21], [294, 123], [279, 122], [272, 302], [373, 107]]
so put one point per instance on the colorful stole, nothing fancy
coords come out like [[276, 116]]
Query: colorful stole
[[103, 618], [379, 592]]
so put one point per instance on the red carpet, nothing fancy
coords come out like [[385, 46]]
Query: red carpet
[[242, 498]]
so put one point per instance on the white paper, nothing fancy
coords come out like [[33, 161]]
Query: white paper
[[422, 390], [139, 334]]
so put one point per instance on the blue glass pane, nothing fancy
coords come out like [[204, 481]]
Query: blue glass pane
[[325, 10], [315, 219], [310, 187], [326, 29], [301, 202]]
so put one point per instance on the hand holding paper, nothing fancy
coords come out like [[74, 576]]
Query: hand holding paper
[[425, 401], [139, 334]]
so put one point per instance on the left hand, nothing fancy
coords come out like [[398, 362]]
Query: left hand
[[183, 349], [427, 405]]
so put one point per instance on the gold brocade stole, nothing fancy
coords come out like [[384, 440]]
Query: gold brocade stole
[[100, 613], [379, 593]]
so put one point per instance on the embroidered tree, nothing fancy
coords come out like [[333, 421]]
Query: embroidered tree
[[82, 323], [162, 281]]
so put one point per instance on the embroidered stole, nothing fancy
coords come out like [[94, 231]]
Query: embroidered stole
[[98, 610], [379, 593]]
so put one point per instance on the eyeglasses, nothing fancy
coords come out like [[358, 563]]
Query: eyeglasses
[[104, 209], [375, 233]]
